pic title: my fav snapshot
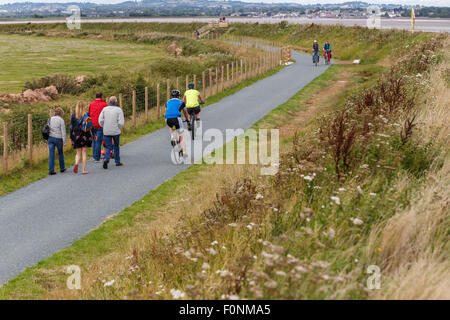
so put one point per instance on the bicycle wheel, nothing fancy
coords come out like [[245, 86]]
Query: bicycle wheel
[[193, 120]]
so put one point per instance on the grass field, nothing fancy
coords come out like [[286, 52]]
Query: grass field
[[33, 57]]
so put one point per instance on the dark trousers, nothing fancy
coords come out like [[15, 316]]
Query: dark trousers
[[112, 143], [97, 145], [58, 144]]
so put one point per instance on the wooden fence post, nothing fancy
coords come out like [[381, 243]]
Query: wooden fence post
[[146, 103], [228, 75], [187, 82], [217, 80], [5, 148], [120, 101], [222, 78], [30, 139], [232, 73], [178, 83], [210, 91], [203, 85], [158, 100], [246, 70], [168, 90], [133, 104], [242, 71], [195, 81]]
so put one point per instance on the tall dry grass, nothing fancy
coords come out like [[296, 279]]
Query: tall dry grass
[[415, 241]]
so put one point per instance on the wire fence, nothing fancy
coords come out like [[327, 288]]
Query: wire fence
[[21, 140]]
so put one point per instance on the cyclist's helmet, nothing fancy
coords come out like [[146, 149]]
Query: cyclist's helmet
[[191, 86], [175, 93], [315, 41]]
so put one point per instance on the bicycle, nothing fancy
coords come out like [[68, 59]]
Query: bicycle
[[177, 150], [192, 126], [327, 56], [316, 56]]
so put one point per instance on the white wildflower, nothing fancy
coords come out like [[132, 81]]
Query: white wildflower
[[331, 233], [383, 135], [372, 194], [214, 243], [280, 273], [259, 196], [224, 273], [211, 251], [270, 284], [177, 294], [364, 166], [300, 269], [308, 178], [205, 266], [234, 225], [356, 221], [321, 264], [336, 200], [109, 283], [359, 189]]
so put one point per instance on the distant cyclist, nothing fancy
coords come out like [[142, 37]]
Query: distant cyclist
[[327, 49], [174, 107], [315, 51], [192, 99]]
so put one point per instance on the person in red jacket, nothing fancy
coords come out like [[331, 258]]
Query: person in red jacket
[[95, 108]]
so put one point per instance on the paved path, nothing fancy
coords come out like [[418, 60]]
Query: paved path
[[50, 214]]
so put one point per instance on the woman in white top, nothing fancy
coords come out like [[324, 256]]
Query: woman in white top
[[57, 139]]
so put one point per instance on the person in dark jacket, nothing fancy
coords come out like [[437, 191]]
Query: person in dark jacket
[[95, 108], [81, 140], [316, 50]]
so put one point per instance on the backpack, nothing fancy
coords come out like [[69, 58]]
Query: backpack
[[46, 130], [86, 123]]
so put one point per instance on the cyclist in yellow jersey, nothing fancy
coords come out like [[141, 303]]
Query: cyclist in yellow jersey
[[193, 100]]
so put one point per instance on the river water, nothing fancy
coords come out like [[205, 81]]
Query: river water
[[427, 25]]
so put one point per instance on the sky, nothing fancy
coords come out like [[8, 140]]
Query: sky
[[414, 2]]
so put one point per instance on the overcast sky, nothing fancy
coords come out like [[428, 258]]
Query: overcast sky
[[421, 2]]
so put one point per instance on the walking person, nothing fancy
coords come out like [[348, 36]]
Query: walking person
[[80, 135], [95, 108], [111, 119], [56, 139]]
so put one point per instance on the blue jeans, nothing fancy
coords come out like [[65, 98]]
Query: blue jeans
[[58, 143], [316, 54], [112, 143], [97, 143]]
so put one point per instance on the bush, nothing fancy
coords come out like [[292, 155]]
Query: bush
[[63, 83]]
